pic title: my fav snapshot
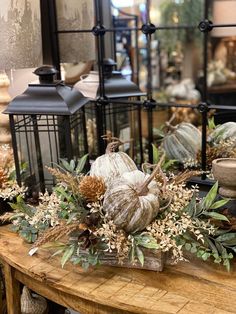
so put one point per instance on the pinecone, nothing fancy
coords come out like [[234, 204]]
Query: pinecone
[[92, 188], [3, 177]]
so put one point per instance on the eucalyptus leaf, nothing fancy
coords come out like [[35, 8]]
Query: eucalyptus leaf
[[169, 164], [205, 256], [191, 207], [216, 216], [211, 245], [67, 255], [158, 133], [226, 237], [208, 200], [81, 164], [146, 241], [132, 254], [211, 123], [193, 249], [55, 244], [65, 165], [156, 154], [140, 255], [219, 204], [188, 246], [85, 265], [72, 164], [219, 247], [227, 264], [58, 252]]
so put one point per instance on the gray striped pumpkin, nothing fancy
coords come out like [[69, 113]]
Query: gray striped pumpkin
[[182, 142], [128, 208], [223, 132], [112, 165]]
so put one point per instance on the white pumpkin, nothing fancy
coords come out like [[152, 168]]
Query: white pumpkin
[[182, 142], [132, 201], [112, 164], [225, 131]]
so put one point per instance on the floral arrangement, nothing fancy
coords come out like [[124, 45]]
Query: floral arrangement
[[125, 212], [182, 143], [221, 143], [8, 185]]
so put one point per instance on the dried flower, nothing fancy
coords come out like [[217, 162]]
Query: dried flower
[[116, 239], [70, 180], [3, 177], [56, 233], [92, 188]]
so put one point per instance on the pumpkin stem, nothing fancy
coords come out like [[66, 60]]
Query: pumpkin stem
[[167, 205], [143, 190], [169, 125], [112, 146]]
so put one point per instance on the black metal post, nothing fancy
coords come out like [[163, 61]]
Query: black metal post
[[147, 29], [15, 149], [137, 52], [205, 93], [50, 41], [84, 131], [38, 154], [99, 104]]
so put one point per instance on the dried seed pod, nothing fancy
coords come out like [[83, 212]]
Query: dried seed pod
[[92, 188]]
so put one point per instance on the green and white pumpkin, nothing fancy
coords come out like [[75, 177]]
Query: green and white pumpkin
[[112, 164], [223, 132], [132, 201], [182, 142]]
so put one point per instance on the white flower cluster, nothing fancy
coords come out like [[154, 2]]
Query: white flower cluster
[[47, 211], [116, 240], [176, 222], [10, 190]]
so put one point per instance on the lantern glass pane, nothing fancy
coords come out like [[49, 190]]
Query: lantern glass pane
[[43, 141]]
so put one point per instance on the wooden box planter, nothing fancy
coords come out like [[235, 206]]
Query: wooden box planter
[[154, 260]]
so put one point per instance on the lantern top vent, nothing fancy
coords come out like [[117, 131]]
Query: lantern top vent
[[47, 97]]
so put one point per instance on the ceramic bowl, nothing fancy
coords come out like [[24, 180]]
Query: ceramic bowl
[[224, 171]]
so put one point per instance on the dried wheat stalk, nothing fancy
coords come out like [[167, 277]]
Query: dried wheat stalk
[[56, 233]]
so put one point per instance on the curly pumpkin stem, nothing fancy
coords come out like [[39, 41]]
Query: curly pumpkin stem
[[167, 205], [169, 125], [143, 190], [112, 146]]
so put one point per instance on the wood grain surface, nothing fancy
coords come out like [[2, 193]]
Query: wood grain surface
[[187, 288]]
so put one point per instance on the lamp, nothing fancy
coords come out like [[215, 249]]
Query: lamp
[[20, 39], [224, 12]]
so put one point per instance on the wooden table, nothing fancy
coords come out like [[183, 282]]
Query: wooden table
[[189, 288]]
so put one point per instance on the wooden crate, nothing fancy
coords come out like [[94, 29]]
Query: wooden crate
[[154, 260]]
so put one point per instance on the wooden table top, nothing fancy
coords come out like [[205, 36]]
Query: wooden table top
[[187, 288]]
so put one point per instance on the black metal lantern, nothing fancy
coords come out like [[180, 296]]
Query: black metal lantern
[[47, 123], [109, 112]]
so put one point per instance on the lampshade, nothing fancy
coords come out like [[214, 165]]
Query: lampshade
[[76, 15], [20, 35], [224, 12]]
